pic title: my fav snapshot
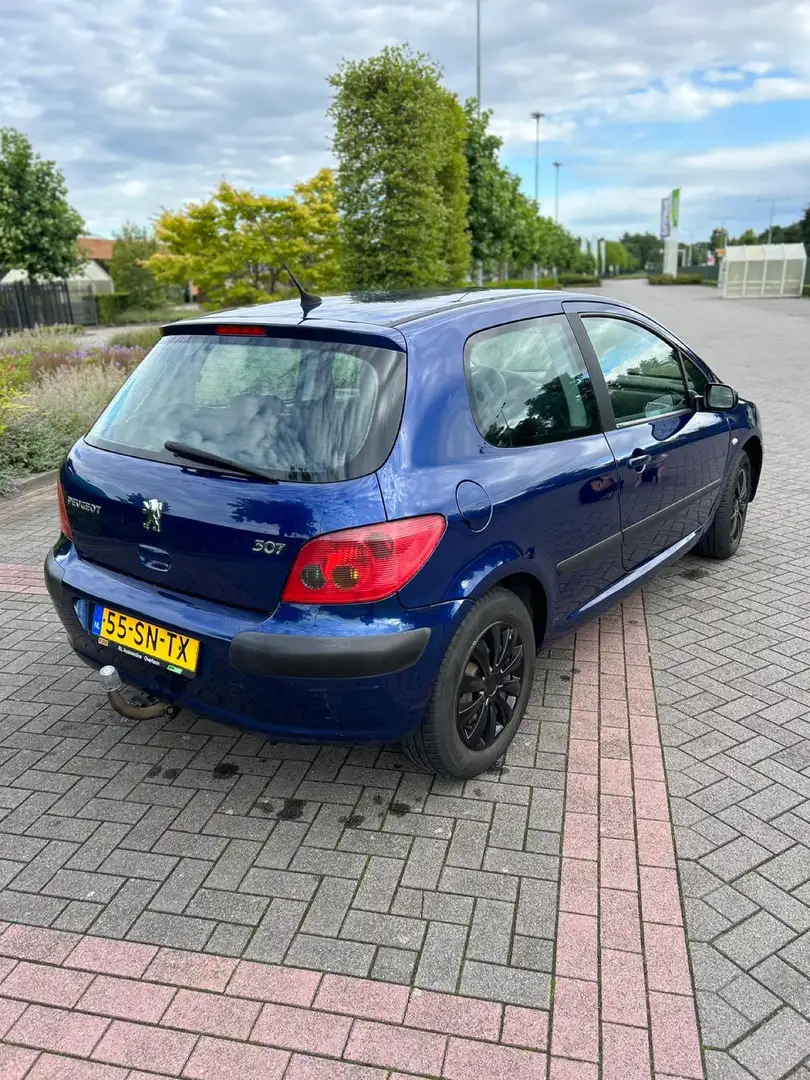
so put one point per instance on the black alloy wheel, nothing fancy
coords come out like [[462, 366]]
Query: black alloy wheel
[[490, 686], [739, 507]]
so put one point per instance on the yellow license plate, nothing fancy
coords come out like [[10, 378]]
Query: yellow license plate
[[166, 648]]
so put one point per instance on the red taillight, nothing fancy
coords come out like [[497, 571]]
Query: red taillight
[[359, 565], [64, 523], [242, 331]]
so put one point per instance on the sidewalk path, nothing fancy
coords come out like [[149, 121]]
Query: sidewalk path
[[178, 898]]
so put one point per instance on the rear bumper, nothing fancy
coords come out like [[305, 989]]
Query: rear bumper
[[358, 679], [327, 657]]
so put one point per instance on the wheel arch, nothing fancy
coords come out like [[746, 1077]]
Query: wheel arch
[[753, 448], [529, 590]]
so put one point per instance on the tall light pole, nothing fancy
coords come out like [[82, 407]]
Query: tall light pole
[[773, 202], [537, 117], [478, 54], [556, 165]]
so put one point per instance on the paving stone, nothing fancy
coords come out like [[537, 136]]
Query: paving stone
[[394, 965], [750, 998], [513, 985], [441, 957], [491, 932], [176, 931], [275, 932], [720, 1024], [776, 1047], [790, 869], [327, 954], [734, 859]]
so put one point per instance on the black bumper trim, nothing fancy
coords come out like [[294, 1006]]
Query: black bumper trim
[[327, 657], [53, 578]]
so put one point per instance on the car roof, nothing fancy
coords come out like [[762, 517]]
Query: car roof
[[384, 310]]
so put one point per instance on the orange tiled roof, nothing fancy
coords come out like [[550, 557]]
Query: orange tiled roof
[[95, 247]]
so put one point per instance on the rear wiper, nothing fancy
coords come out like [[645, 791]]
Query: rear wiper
[[207, 458]]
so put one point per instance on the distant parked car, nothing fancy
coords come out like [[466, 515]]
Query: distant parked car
[[362, 523]]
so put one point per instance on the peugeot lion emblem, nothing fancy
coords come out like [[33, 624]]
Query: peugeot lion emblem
[[152, 513]]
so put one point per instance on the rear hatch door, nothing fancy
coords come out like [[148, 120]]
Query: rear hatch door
[[315, 412]]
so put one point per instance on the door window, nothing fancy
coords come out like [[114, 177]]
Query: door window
[[696, 381], [642, 371], [528, 384]]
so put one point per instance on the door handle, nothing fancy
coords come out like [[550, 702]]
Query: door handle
[[639, 460]]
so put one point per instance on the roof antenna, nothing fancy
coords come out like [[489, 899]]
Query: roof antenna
[[309, 301]]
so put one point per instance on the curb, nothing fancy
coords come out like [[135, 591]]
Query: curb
[[29, 484]]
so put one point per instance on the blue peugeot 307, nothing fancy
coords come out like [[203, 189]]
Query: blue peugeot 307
[[360, 520]]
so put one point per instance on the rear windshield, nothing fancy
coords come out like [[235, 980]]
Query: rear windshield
[[303, 410]]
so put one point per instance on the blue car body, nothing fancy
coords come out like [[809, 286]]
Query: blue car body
[[570, 526]]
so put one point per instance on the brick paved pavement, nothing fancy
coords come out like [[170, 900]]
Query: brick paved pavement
[[416, 919], [731, 656]]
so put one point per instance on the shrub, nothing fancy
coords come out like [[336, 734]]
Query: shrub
[[681, 279], [806, 290], [111, 306], [154, 317], [143, 338], [39, 426], [578, 279], [523, 283]]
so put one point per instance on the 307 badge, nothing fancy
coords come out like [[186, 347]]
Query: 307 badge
[[153, 644]]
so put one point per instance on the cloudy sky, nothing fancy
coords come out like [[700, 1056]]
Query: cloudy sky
[[148, 103]]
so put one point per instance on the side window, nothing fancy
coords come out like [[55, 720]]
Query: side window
[[696, 381], [528, 383], [642, 371]]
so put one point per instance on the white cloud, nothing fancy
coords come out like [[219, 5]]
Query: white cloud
[[732, 184], [156, 100], [133, 188]]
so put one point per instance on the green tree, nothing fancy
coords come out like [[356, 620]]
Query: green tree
[[646, 248], [617, 255], [496, 216], [134, 246], [719, 239], [748, 237], [400, 141], [233, 244], [38, 227], [804, 229]]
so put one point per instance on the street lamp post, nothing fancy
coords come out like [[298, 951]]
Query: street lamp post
[[537, 117], [478, 54], [557, 190], [773, 202]]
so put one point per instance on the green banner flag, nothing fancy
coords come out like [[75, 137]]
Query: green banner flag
[[675, 208]]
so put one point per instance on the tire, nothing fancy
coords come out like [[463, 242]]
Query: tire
[[722, 538], [498, 620]]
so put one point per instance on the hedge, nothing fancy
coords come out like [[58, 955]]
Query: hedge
[[110, 306], [681, 279], [523, 283], [578, 279]]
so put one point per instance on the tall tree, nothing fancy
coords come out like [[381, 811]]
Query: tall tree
[[804, 228], [233, 244], [133, 246], [402, 172], [38, 227], [719, 239], [617, 255], [493, 213], [647, 248], [748, 237]]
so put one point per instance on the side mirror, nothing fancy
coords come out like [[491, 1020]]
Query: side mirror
[[720, 398]]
